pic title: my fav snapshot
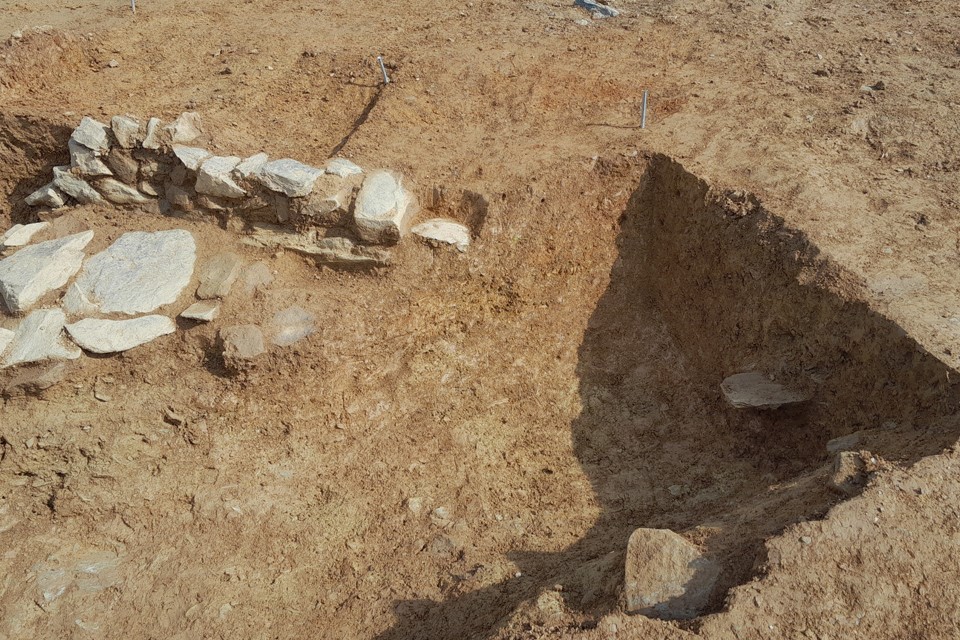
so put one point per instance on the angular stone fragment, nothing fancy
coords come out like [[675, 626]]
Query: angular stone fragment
[[341, 167], [754, 390], [76, 303], [203, 311], [214, 179], [154, 170], [86, 162], [289, 177], [597, 9], [148, 189], [20, 234], [252, 166], [48, 195], [849, 473], [241, 343], [330, 201], [77, 188], [218, 275], [179, 197], [119, 193], [256, 277], [6, 337], [666, 576], [124, 167], [92, 134], [186, 128], [39, 338], [344, 252], [291, 325], [126, 130], [383, 209], [32, 272], [112, 336], [441, 231], [191, 157], [154, 138], [139, 272]]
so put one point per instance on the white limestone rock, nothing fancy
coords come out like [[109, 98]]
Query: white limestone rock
[[126, 130], [442, 231], [666, 576], [119, 193], [39, 338], [383, 209], [76, 303], [292, 325], [32, 272], [86, 162], [92, 134], [154, 139], [6, 337], [20, 234], [214, 179], [186, 128], [47, 196], [342, 167], [203, 311], [191, 157], [754, 390], [139, 272], [289, 177], [77, 188], [218, 275], [241, 343], [252, 166], [112, 336]]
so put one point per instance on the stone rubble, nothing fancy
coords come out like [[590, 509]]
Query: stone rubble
[[289, 177], [77, 188], [36, 270], [20, 234], [113, 336], [92, 134], [754, 390], [140, 272], [126, 130], [86, 162], [214, 177], [49, 195], [39, 338], [441, 231]]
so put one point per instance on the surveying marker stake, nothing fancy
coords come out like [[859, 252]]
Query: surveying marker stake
[[643, 112], [133, 5], [383, 69]]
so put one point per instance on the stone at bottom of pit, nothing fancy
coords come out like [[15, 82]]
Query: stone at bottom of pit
[[754, 390]]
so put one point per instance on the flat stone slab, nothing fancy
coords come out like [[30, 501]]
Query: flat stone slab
[[292, 325], [598, 10], [252, 166], [289, 177], [666, 576], [92, 134], [383, 209], [34, 271], [215, 177], [6, 337], [186, 128], [77, 188], [85, 161], [442, 231], [754, 390], [48, 195], [20, 234], [203, 311], [342, 167], [119, 193], [191, 157], [112, 336], [218, 275], [139, 272], [153, 140], [40, 337], [242, 342]]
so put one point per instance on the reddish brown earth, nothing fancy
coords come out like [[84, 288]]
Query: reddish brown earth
[[553, 388]]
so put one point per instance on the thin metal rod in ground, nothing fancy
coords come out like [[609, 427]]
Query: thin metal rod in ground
[[133, 5], [386, 78], [643, 112]]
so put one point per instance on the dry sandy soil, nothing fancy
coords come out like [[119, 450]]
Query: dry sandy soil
[[556, 386]]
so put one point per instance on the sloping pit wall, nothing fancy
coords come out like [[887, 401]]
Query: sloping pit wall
[[741, 291], [29, 149]]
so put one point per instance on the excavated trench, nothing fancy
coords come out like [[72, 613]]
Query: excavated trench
[[705, 284]]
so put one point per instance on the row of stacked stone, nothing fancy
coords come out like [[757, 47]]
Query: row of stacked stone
[[155, 165]]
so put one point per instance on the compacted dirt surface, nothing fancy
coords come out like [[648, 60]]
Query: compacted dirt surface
[[465, 444]]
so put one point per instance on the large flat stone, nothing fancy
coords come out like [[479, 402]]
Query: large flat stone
[[40, 337], [139, 272], [442, 231], [191, 157], [20, 234], [77, 188], [92, 134], [666, 576], [112, 336], [754, 390], [289, 177], [218, 275], [383, 209], [32, 272], [342, 167], [85, 161], [252, 166], [6, 337], [48, 195], [215, 177], [119, 193]]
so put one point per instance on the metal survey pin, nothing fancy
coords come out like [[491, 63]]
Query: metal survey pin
[[133, 5], [643, 112], [383, 69]]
